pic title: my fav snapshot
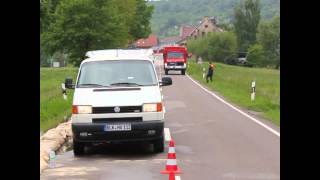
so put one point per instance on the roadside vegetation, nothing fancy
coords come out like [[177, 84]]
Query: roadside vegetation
[[73, 27], [259, 40], [53, 108], [170, 14], [234, 84], [248, 34], [70, 28]]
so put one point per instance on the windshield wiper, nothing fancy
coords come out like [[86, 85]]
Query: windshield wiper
[[125, 83], [89, 84]]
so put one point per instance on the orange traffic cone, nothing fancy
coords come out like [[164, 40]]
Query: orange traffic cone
[[171, 166], [172, 176]]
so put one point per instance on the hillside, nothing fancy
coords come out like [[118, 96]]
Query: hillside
[[169, 14]]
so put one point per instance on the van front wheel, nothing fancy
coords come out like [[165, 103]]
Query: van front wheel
[[183, 72], [78, 148]]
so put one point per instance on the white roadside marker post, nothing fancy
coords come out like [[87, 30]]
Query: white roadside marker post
[[204, 73], [253, 90], [64, 92], [52, 159]]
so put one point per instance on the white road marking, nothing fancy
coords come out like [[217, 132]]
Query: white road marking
[[167, 135], [241, 112], [177, 178]]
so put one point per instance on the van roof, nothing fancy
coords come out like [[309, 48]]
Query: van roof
[[119, 54]]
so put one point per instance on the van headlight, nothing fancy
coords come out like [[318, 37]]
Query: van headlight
[[152, 107], [81, 109]]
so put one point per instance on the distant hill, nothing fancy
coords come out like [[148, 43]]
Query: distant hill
[[169, 14]]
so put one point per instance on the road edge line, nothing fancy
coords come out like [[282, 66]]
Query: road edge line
[[167, 135], [241, 112]]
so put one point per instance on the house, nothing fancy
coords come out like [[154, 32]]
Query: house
[[149, 42], [169, 40], [206, 25], [185, 32]]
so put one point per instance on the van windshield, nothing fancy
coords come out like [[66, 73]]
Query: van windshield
[[175, 55], [117, 73]]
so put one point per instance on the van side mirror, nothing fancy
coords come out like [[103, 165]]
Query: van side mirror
[[166, 81], [69, 83]]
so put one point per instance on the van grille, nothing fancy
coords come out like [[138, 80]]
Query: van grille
[[122, 119], [123, 109]]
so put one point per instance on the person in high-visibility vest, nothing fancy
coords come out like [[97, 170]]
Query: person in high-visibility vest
[[210, 71]]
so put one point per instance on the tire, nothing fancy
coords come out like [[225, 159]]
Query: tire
[[78, 148], [166, 72], [183, 72], [158, 145]]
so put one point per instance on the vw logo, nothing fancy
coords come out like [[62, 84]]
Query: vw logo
[[116, 109]]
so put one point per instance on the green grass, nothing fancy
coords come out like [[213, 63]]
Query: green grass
[[53, 107], [234, 83]]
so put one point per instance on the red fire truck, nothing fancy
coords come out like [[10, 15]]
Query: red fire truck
[[175, 58]]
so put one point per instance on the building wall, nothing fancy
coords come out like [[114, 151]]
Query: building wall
[[204, 28]]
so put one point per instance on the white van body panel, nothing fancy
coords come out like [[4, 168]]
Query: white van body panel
[[146, 116], [147, 94]]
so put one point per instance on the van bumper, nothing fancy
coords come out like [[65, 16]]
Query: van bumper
[[140, 131]]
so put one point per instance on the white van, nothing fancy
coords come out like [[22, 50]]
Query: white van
[[117, 98]]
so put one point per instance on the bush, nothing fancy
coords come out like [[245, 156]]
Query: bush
[[222, 46], [217, 46], [256, 55]]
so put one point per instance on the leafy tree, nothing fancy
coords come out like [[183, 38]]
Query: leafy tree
[[222, 46], [256, 55], [47, 9], [140, 26], [247, 17], [193, 10], [218, 46], [83, 25], [199, 47], [74, 27], [269, 37]]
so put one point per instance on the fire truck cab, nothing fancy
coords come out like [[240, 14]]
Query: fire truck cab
[[175, 58]]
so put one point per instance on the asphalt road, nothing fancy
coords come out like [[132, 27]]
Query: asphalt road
[[213, 142]]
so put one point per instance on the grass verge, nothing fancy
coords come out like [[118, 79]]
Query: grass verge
[[53, 107], [234, 83]]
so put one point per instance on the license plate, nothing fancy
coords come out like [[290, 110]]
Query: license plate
[[117, 127]]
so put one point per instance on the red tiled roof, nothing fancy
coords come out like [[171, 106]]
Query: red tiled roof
[[186, 31], [152, 40]]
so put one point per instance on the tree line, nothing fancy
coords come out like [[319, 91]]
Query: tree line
[[70, 28], [172, 13], [247, 33]]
